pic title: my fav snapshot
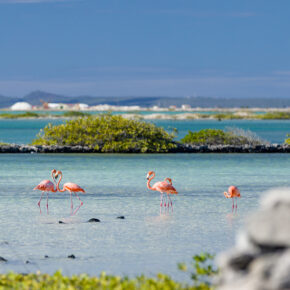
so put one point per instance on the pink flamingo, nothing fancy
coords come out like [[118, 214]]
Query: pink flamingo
[[71, 188], [233, 192], [46, 186], [162, 186]]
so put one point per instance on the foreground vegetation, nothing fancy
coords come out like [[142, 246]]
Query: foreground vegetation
[[220, 137], [287, 140], [201, 274], [107, 133]]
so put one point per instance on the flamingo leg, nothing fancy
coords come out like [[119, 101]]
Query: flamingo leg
[[233, 204], [236, 203], [40, 201], [170, 203], [161, 202], [81, 203], [47, 202], [168, 198], [71, 203]]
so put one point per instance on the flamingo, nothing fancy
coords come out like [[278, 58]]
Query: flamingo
[[46, 186], [233, 192], [71, 188], [169, 180], [162, 186]]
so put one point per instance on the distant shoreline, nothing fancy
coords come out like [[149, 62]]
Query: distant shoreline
[[192, 114]]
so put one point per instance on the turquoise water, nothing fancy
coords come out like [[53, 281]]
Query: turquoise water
[[274, 131], [144, 242]]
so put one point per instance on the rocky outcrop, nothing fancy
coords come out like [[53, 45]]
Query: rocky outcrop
[[269, 148], [181, 148], [261, 258]]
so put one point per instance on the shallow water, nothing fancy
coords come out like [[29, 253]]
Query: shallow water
[[274, 131], [145, 241]]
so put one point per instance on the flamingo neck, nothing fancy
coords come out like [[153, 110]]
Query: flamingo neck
[[149, 180], [227, 194], [57, 186], [168, 180], [54, 181]]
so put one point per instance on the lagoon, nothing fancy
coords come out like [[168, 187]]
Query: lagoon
[[115, 184]]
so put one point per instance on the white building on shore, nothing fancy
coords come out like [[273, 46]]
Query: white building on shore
[[21, 106]]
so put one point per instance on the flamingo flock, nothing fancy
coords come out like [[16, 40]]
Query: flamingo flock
[[160, 186], [47, 186], [163, 187]]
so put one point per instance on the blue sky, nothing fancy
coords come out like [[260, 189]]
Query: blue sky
[[145, 48]]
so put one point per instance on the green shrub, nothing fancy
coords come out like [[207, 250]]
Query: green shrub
[[201, 276], [220, 137], [226, 116], [58, 281], [74, 114], [21, 115], [287, 140], [274, 116], [107, 133], [202, 270]]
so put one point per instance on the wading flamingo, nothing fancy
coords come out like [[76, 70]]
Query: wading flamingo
[[162, 186], [46, 186], [233, 192], [71, 188]]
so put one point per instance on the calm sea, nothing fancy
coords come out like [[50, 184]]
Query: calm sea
[[143, 242]]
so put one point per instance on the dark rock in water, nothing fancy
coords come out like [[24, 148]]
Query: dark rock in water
[[121, 217], [2, 259], [46, 256], [27, 262], [61, 222], [93, 220], [72, 256]]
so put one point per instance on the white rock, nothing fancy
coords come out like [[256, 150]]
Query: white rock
[[276, 197]]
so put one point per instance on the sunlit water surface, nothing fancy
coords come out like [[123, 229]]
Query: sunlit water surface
[[145, 241]]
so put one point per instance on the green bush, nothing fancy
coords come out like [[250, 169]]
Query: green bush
[[58, 281], [107, 133], [201, 277], [75, 114], [274, 116], [226, 116], [21, 115], [287, 140], [220, 137]]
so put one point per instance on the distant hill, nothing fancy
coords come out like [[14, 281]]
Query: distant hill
[[204, 102], [6, 102]]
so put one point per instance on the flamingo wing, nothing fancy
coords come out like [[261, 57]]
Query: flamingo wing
[[164, 186], [73, 187], [45, 185]]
